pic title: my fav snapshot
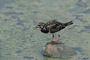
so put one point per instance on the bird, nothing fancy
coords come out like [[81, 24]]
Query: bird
[[52, 27]]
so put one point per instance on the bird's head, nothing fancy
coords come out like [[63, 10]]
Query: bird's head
[[40, 25]]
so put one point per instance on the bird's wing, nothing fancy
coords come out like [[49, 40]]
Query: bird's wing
[[53, 24]]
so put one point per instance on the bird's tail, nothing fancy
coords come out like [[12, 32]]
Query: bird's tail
[[68, 23]]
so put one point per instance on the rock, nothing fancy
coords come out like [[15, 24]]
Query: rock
[[58, 50]]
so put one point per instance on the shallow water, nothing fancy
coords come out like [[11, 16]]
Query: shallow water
[[19, 40]]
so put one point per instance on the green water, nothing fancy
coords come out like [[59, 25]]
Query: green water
[[18, 39]]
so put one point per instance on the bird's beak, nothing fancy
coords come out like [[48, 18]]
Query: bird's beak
[[36, 27]]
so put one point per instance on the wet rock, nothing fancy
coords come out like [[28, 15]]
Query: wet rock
[[58, 50]]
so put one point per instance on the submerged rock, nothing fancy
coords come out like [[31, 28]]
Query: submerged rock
[[58, 50]]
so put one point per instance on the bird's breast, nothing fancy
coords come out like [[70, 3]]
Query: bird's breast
[[45, 30]]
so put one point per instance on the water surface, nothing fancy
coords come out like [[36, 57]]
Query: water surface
[[19, 40]]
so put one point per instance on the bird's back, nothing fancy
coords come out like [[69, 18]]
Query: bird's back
[[52, 24], [55, 26]]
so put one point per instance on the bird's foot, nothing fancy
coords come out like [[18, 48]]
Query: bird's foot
[[53, 42], [58, 41]]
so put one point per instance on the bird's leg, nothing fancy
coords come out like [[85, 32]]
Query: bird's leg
[[58, 38], [52, 40]]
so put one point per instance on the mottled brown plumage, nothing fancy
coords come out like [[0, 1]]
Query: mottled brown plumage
[[52, 26]]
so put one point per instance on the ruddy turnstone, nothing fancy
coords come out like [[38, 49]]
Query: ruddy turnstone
[[53, 27]]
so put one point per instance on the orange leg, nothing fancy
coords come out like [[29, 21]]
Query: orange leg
[[51, 39], [58, 39]]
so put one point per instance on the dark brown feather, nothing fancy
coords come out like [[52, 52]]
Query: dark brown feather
[[54, 26]]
